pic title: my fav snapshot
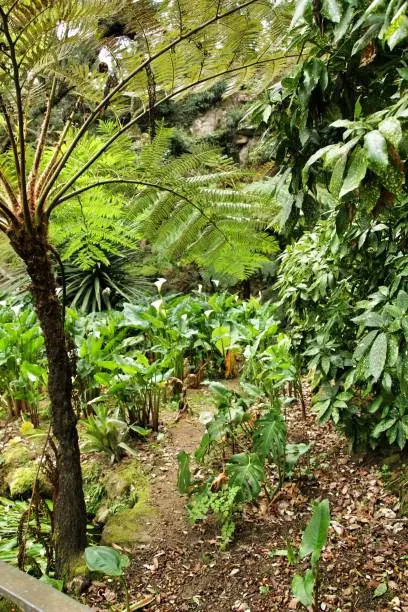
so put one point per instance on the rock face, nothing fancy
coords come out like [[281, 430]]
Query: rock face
[[210, 122]]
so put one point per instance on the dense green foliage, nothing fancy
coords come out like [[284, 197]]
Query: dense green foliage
[[335, 128]]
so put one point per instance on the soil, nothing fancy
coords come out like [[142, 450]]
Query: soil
[[181, 568]]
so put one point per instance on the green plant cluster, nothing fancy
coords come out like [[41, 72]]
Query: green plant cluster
[[246, 451], [335, 128]]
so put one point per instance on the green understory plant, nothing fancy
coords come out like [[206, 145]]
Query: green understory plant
[[109, 562], [106, 432], [247, 453], [306, 587]]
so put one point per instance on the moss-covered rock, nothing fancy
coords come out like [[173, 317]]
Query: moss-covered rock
[[128, 496], [17, 453], [20, 481], [123, 479]]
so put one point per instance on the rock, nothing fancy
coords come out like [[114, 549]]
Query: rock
[[127, 502], [123, 478], [78, 585], [20, 481], [16, 453], [101, 515], [127, 527]]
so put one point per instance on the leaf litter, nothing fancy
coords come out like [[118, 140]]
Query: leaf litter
[[364, 565]]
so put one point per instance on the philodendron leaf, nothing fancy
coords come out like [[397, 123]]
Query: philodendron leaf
[[270, 435], [332, 10], [356, 172], [184, 474], [377, 152], [246, 472], [378, 356], [315, 535], [303, 587], [105, 560]]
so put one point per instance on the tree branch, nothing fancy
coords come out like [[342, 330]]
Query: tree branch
[[8, 213], [126, 127], [20, 120], [93, 115], [41, 141], [52, 163], [9, 189], [12, 140]]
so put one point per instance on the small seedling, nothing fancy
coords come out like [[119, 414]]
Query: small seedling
[[306, 587]]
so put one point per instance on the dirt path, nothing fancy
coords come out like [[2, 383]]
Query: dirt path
[[182, 568]]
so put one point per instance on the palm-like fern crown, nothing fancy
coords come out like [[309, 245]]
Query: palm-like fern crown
[[189, 207]]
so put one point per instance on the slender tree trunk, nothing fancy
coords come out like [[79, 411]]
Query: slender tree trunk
[[69, 510]]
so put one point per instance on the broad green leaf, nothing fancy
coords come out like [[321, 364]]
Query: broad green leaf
[[315, 535], [380, 590], [105, 560], [367, 37], [300, 10], [336, 180], [378, 356], [377, 152], [356, 172], [33, 371], [295, 451], [391, 129], [246, 472], [57, 584], [313, 159], [342, 27], [269, 436], [397, 31], [375, 405], [382, 426], [364, 345], [332, 10], [393, 350], [369, 319], [303, 587], [183, 474], [201, 451], [267, 113], [402, 301]]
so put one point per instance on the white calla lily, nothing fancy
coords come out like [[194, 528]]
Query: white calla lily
[[159, 283]]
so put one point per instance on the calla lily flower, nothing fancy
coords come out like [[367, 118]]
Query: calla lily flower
[[159, 283]]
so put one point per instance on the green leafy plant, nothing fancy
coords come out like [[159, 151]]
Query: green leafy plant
[[109, 562], [106, 433], [245, 421], [306, 587]]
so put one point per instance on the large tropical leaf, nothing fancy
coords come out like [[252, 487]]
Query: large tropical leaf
[[269, 437], [246, 472]]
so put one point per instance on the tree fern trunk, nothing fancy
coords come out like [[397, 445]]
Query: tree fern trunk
[[69, 511]]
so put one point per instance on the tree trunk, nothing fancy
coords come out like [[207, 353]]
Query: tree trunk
[[69, 510]]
